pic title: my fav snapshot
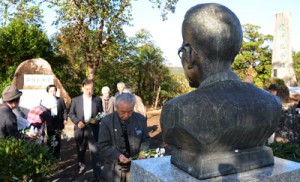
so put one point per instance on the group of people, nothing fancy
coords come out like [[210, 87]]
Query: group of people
[[47, 118], [108, 126], [108, 101]]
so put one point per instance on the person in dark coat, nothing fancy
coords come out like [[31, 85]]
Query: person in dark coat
[[83, 112], [59, 116], [8, 120], [123, 134]]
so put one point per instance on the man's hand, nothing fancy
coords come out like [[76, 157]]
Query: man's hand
[[141, 156], [81, 124], [124, 159], [93, 121]]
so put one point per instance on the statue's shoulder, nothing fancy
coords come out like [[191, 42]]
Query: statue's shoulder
[[182, 99]]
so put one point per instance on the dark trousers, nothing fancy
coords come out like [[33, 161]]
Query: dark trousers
[[54, 142], [87, 139]]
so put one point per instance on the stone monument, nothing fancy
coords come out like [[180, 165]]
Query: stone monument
[[282, 61], [222, 127], [32, 77]]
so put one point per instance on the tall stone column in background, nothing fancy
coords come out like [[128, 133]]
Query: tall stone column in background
[[282, 62]]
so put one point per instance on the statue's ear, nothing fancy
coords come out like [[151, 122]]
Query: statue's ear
[[190, 60]]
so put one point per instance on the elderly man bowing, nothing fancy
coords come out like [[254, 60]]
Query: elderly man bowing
[[123, 134]]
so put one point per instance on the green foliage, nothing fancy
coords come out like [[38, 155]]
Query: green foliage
[[283, 90], [296, 60], [24, 161], [176, 70], [19, 42], [89, 29], [254, 58], [287, 151], [165, 6], [140, 64], [28, 11]]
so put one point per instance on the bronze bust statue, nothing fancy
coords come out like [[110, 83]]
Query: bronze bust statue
[[221, 127]]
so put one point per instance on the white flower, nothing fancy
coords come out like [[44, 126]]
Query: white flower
[[68, 138], [156, 155], [157, 150], [162, 151]]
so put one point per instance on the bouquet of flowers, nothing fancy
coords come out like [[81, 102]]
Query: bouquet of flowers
[[32, 133], [151, 153], [95, 119]]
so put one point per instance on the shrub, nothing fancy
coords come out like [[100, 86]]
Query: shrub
[[23, 160], [287, 151]]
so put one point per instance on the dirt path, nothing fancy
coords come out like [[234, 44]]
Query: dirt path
[[68, 163]]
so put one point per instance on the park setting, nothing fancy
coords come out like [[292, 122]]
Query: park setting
[[100, 90]]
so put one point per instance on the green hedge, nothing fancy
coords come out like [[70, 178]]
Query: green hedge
[[23, 160], [288, 151]]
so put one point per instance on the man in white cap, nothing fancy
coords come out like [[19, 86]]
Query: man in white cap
[[8, 120]]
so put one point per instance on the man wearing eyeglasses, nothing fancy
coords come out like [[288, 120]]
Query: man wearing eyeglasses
[[84, 109], [224, 116]]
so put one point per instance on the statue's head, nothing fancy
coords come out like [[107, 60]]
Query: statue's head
[[212, 37]]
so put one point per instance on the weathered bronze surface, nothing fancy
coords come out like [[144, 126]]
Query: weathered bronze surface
[[221, 127]]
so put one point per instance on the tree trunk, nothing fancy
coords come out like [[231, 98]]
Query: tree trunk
[[91, 72], [157, 96]]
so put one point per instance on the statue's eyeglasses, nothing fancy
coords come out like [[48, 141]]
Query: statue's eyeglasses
[[186, 48]]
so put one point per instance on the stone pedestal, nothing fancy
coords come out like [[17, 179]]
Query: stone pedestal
[[222, 163], [161, 169]]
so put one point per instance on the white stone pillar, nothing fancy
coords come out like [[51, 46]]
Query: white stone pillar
[[282, 62]]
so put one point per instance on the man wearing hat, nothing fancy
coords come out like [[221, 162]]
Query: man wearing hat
[[273, 89], [8, 120]]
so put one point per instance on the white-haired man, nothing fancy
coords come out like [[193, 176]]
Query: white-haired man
[[107, 101], [120, 86], [123, 134]]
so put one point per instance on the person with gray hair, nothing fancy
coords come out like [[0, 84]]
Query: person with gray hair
[[120, 86], [139, 106], [108, 102], [123, 134]]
